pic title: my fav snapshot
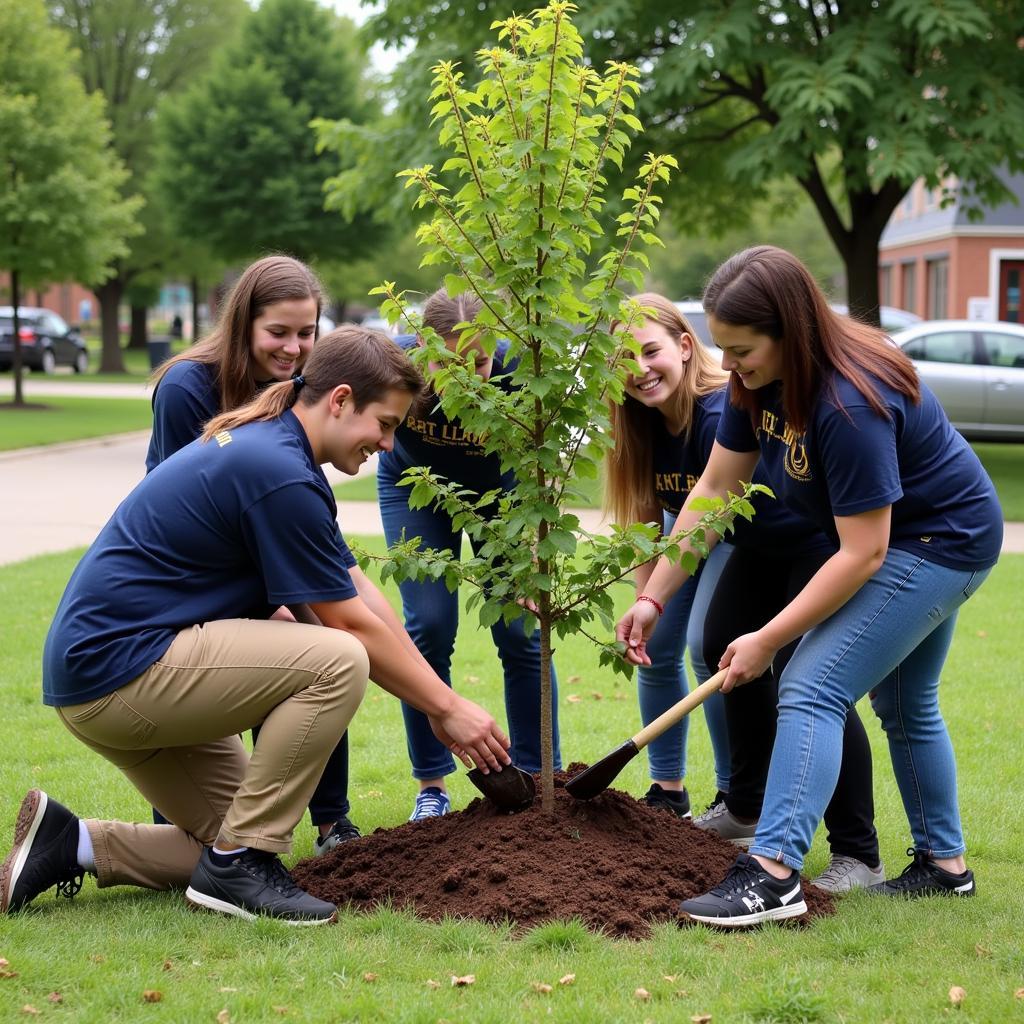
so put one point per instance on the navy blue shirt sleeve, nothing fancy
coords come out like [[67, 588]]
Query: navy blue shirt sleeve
[[735, 430], [302, 556], [859, 458], [179, 412]]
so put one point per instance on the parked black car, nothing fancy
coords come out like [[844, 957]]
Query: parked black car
[[46, 341]]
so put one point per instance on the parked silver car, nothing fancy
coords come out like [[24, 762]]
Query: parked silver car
[[976, 369]]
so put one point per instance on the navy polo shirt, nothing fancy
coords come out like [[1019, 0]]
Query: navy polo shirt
[[679, 461], [231, 528], [442, 445], [186, 398], [851, 460]]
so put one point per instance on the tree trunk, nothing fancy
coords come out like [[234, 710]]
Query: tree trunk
[[109, 294], [194, 288], [18, 366], [139, 333], [547, 759], [861, 261]]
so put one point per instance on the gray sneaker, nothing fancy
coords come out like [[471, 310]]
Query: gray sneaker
[[846, 873], [718, 818]]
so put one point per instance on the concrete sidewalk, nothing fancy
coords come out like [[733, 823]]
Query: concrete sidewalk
[[59, 496]]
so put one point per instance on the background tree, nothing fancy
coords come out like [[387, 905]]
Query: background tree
[[239, 166], [852, 100], [61, 212], [135, 52], [531, 143]]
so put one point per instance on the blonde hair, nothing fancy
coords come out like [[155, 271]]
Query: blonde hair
[[629, 464], [367, 360], [228, 347]]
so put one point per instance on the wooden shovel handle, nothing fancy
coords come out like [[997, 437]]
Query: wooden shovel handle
[[679, 711]]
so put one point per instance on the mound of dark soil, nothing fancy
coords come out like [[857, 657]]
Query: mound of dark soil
[[612, 861]]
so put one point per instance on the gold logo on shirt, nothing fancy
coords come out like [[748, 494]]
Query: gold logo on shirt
[[796, 462], [222, 437]]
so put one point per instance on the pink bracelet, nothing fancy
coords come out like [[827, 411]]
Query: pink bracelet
[[646, 597]]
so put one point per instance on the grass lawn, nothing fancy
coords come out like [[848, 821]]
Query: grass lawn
[[873, 961], [1004, 462], [70, 419]]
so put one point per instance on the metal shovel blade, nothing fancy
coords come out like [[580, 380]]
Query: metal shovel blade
[[511, 789], [600, 775]]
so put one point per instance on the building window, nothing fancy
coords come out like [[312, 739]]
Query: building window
[[885, 284], [938, 288], [909, 299]]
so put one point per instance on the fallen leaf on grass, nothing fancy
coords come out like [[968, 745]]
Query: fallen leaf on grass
[[1019, 994], [8, 974], [575, 679], [224, 1017], [4, 962], [701, 1018], [596, 695], [574, 698], [430, 983], [227, 988], [97, 958], [681, 993], [151, 995], [282, 1010], [168, 965], [982, 950], [670, 978], [618, 696], [465, 979], [982, 633], [566, 979], [542, 987], [29, 1009], [957, 995], [55, 997], [642, 994], [369, 976]]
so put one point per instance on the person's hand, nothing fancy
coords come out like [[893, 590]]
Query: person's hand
[[472, 735], [634, 630], [747, 657]]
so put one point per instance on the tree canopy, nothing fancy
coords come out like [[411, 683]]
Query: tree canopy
[[853, 100], [61, 212], [239, 165]]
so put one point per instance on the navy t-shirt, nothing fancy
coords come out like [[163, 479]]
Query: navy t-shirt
[[944, 507], [679, 461], [231, 528], [441, 444], [186, 398]]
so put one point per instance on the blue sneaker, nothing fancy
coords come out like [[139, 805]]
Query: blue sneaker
[[432, 802]]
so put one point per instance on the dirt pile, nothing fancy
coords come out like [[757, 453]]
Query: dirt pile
[[613, 862]]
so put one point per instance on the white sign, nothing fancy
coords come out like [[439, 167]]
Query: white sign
[[979, 307]]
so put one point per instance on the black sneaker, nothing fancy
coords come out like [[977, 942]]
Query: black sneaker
[[668, 800], [747, 895], [923, 877], [45, 853], [255, 884], [342, 832]]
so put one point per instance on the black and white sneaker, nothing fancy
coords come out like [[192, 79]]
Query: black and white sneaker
[[255, 884], [748, 895], [923, 877], [676, 801], [45, 853], [342, 831]]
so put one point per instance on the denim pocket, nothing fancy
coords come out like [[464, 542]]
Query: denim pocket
[[976, 580], [112, 721]]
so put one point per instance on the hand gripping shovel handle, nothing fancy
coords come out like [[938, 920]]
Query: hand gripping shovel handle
[[600, 775]]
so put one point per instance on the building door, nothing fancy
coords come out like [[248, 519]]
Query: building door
[[1011, 279]]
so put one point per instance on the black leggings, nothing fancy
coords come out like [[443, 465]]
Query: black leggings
[[753, 588]]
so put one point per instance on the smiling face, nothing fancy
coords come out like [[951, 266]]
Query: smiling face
[[755, 358], [282, 338], [661, 360], [352, 436]]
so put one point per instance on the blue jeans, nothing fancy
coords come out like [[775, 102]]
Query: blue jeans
[[432, 620], [663, 683], [890, 638]]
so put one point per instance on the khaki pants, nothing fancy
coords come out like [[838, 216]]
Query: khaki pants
[[173, 731]]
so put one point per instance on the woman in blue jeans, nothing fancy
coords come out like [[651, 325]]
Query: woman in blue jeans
[[849, 437], [431, 611]]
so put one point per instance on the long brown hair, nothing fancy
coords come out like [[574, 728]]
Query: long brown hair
[[629, 464], [442, 311], [770, 291], [368, 361], [228, 347]]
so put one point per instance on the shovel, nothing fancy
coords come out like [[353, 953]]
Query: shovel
[[511, 789], [600, 775]]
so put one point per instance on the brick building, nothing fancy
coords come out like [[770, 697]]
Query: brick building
[[938, 263]]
